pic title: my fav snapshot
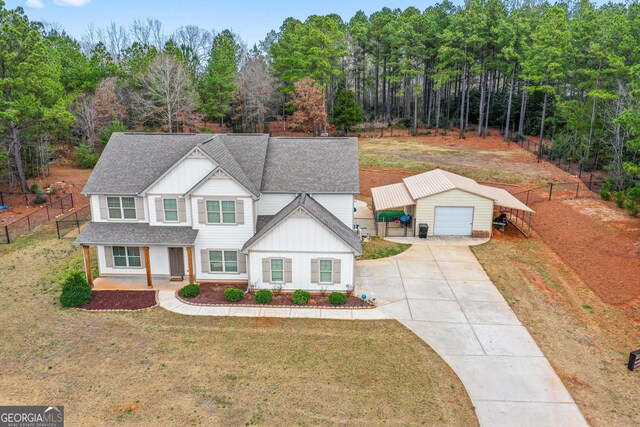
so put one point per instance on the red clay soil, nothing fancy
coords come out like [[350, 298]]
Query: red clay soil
[[375, 177], [121, 300], [598, 241], [213, 294]]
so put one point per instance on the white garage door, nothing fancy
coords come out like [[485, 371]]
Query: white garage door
[[453, 221]]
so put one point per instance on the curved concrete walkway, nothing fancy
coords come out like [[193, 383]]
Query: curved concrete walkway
[[439, 290]]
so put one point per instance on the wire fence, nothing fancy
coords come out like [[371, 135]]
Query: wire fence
[[560, 190], [67, 225], [48, 211], [592, 181], [362, 132]]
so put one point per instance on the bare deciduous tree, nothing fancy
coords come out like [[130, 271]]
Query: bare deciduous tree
[[197, 40], [106, 105], [167, 94], [254, 93]]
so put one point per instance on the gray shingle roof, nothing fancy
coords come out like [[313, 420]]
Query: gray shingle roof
[[138, 234], [218, 151], [261, 221], [311, 165], [131, 162], [317, 211]]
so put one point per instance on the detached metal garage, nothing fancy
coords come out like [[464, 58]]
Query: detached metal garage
[[452, 205]]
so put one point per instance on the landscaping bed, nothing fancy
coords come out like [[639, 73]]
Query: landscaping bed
[[213, 294], [121, 300]]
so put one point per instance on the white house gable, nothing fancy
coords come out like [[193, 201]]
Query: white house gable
[[301, 232], [184, 175], [220, 184]]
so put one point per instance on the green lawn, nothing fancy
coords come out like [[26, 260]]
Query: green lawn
[[379, 248]]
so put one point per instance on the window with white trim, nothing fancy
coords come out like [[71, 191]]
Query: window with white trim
[[326, 271], [221, 211], [170, 207], [277, 270], [121, 207], [223, 261], [126, 256]]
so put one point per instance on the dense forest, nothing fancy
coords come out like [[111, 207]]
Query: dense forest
[[568, 71]]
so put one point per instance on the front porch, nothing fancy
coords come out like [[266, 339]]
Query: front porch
[[137, 283]]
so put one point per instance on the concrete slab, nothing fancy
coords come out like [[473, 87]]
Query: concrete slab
[[166, 295], [369, 314], [463, 271], [436, 311], [437, 289], [385, 289], [420, 269], [275, 312], [377, 268], [170, 304], [517, 379], [500, 340], [452, 254], [311, 313], [214, 311], [528, 414], [335, 314], [245, 311], [447, 338], [397, 310], [468, 290], [187, 309], [496, 313]]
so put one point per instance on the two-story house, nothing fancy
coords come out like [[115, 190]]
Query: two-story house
[[273, 212]]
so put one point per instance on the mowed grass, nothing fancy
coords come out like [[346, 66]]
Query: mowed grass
[[484, 165], [379, 248], [159, 368], [587, 342]]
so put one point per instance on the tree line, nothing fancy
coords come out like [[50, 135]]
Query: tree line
[[568, 71]]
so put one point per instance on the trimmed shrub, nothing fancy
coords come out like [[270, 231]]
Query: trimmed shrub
[[605, 194], [75, 290], [263, 296], [336, 298], [300, 297], [190, 291], [618, 198], [35, 188], [233, 294]]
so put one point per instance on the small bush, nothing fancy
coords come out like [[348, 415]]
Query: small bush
[[40, 199], [605, 194], [618, 198], [85, 157], [336, 298], [263, 296], [300, 297], [114, 126], [75, 290], [35, 189], [190, 291], [233, 294], [632, 208]]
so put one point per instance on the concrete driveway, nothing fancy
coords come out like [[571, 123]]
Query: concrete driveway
[[439, 290]]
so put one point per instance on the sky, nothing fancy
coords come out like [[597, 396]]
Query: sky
[[251, 19]]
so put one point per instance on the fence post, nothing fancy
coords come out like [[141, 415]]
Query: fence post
[[550, 190], [47, 208], [6, 230], [577, 189], [580, 171], [58, 228], [26, 199], [590, 179], [77, 222], [71, 199], [29, 221]]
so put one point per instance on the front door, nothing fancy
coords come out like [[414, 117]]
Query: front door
[[176, 262]]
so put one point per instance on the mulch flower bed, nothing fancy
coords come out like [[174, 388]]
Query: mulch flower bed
[[121, 300], [213, 294]]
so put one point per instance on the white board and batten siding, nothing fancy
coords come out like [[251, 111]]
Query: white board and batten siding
[[340, 205], [221, 236], [482, 209], [183, 176], [318, 243]]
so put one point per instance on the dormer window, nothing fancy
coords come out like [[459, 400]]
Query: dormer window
[[121, 207]]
